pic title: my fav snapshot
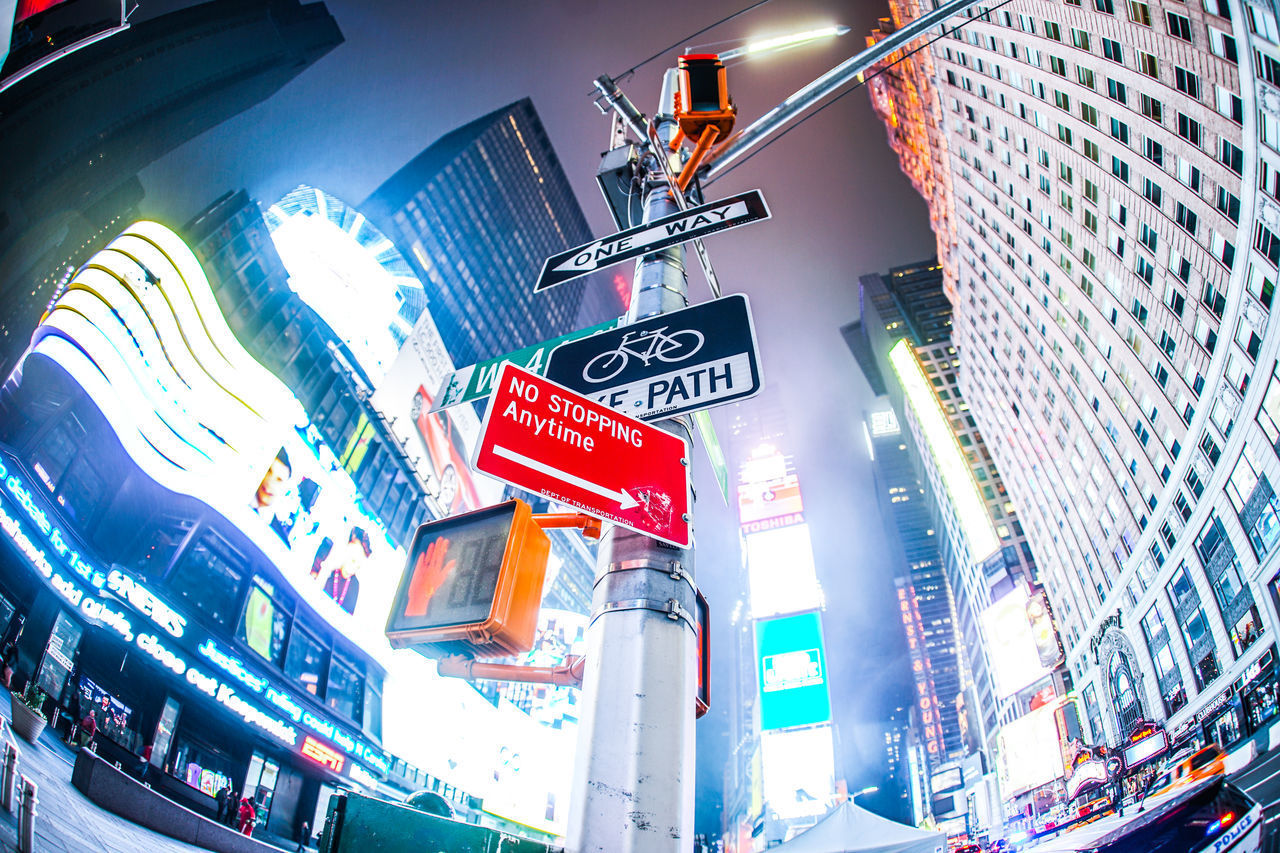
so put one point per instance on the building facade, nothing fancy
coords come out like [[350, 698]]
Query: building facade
[[476, 214], [1102, 183]]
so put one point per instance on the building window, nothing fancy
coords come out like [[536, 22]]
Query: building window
[[1112, 50], [264, 622], [1189, 129], [1269, 413], [1179, 25], [1151, 192], [1116, 91], [1120, 169], [308, 661], [1124, 692], [208, 577], [1139, 13], [1151, 108], [1187, 82], [1231, 157], [1193, 626], [1222, 568], [1255, 503], [1185, 218], [1167, 675], [345, 693], [1266, 242], [1148, 65], [1153, 151]]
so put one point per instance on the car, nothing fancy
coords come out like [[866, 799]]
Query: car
[[1209, 816], [1190, 768], [446, 454], [967, 848]]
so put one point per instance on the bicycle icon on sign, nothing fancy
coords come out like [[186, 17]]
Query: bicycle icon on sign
[[645, 346]]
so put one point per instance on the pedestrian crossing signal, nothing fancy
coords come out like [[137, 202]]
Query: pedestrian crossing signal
[[472, 584]]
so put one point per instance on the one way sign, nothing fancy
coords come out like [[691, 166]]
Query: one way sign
[[670, 230]]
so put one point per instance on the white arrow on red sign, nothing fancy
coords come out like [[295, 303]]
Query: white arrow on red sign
[[541, 436], [624, 500]]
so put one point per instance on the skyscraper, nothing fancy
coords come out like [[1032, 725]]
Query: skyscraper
[[964, 548], [476, 214], [1103, 182]]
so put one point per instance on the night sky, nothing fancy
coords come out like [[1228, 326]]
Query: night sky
[[411, 70]]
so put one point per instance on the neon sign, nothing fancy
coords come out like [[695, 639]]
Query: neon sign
[[141, 599], [146, 603], [322, 754]]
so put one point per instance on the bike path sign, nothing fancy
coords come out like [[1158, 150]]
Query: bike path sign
[[667, 365], [644, 239], [540, 436]]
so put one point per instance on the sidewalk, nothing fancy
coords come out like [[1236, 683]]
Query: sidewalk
[[66, 822]]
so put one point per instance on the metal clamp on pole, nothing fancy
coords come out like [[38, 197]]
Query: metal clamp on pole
[[662, 587], [9, 776], [27, 817]]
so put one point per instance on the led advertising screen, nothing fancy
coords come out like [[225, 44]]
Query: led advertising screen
[[799, 771], [781, 572], [1029, 754], [439, 443], [792, 671], [769, 499], [349, 272], [202, 418], [1016, 661]]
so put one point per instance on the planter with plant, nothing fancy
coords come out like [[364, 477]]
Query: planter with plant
[[27, 712]]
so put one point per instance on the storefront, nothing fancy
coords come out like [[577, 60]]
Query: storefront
[[97, 640], [1244, 707]]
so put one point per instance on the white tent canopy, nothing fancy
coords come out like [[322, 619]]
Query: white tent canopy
[[850, 829]]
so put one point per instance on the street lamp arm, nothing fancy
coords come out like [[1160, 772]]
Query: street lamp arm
[[803, 100]]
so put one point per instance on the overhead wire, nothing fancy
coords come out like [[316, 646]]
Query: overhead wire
[[625, 74], [855, 87]]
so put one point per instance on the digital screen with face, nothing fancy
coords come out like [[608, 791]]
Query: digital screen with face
[[452, 572]]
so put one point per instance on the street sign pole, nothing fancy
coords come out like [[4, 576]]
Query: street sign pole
[[634, 775]]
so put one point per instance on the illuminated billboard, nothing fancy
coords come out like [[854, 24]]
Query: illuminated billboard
[[781, 572], [139, 330], [349, 272], [769, 499], [956, 475], [1015, 656], [440, 444], [799, 771], [791, 665], [1028, 751]]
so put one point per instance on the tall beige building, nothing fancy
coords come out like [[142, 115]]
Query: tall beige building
[[1103, 178]]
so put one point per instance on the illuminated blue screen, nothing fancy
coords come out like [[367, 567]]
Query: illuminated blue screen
[[791, 667]]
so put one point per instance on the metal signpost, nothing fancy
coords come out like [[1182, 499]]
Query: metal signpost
[[476, 381], [667, 365], [545, 438], [674, 229]]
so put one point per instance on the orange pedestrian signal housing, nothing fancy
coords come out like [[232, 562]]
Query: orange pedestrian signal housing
[[472, 585], [702, 100]]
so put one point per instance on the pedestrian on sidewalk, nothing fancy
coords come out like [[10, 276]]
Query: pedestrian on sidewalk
[[144, 767], [88, 730], [304, 835], [222, 797], [233, 809], [9, 657], [247, 816]]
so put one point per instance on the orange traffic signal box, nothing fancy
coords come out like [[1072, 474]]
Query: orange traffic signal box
[[473, 584]]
